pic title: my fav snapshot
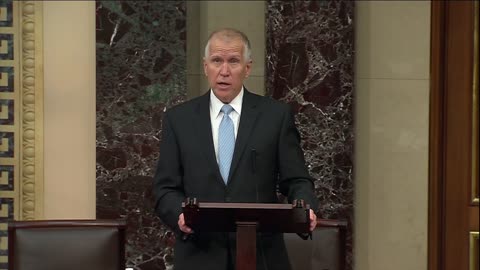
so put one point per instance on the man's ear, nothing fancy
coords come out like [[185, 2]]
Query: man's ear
[[248, 68]]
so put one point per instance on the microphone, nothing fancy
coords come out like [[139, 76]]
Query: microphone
[[254, 171], [254, 161]]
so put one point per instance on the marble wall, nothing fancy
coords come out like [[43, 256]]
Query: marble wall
[[141, 70], [140, 51], [310, 55]]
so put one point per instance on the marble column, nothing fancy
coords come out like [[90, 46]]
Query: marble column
[[141, 71], [310, 53]]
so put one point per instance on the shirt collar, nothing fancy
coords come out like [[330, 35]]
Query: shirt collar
[[216, 104]]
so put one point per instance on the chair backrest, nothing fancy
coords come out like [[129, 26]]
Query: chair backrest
[[66, 244], [326, 250]]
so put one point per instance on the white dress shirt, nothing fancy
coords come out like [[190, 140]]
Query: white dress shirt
[[216, 115]]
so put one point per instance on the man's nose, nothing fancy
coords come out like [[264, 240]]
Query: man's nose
[[224, 69]]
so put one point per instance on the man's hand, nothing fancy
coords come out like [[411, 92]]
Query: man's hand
[[184, 228], [313, 220]]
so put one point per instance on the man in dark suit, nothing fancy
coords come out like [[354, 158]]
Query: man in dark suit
[[229, 145]]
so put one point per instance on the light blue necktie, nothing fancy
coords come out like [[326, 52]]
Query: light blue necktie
[[226, 142]]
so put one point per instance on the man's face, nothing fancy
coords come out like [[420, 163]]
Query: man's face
[[226, 67]]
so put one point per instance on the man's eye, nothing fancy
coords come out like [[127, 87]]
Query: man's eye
[[234, 61], [216, 60]]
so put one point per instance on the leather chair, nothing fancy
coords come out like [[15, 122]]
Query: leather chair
[[66, 244], [326, 250]]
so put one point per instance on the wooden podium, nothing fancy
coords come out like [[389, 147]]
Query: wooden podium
[[246, 219]]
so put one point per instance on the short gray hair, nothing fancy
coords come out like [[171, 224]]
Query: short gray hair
[[230, 33]]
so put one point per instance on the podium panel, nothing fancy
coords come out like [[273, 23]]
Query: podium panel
[[246, 219]]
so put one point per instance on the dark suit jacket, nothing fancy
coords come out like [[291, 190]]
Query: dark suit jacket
[[267, 153]]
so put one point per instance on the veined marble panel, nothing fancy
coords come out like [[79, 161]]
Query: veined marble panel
[[310, 53], [141, 70]]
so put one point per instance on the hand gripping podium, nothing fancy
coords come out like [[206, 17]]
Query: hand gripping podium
[[246, 219]]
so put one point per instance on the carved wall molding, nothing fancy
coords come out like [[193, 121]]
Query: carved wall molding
[[31, 131], [21, 115]]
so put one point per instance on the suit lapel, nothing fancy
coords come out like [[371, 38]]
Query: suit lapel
[[204, 135], [247, 121]]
